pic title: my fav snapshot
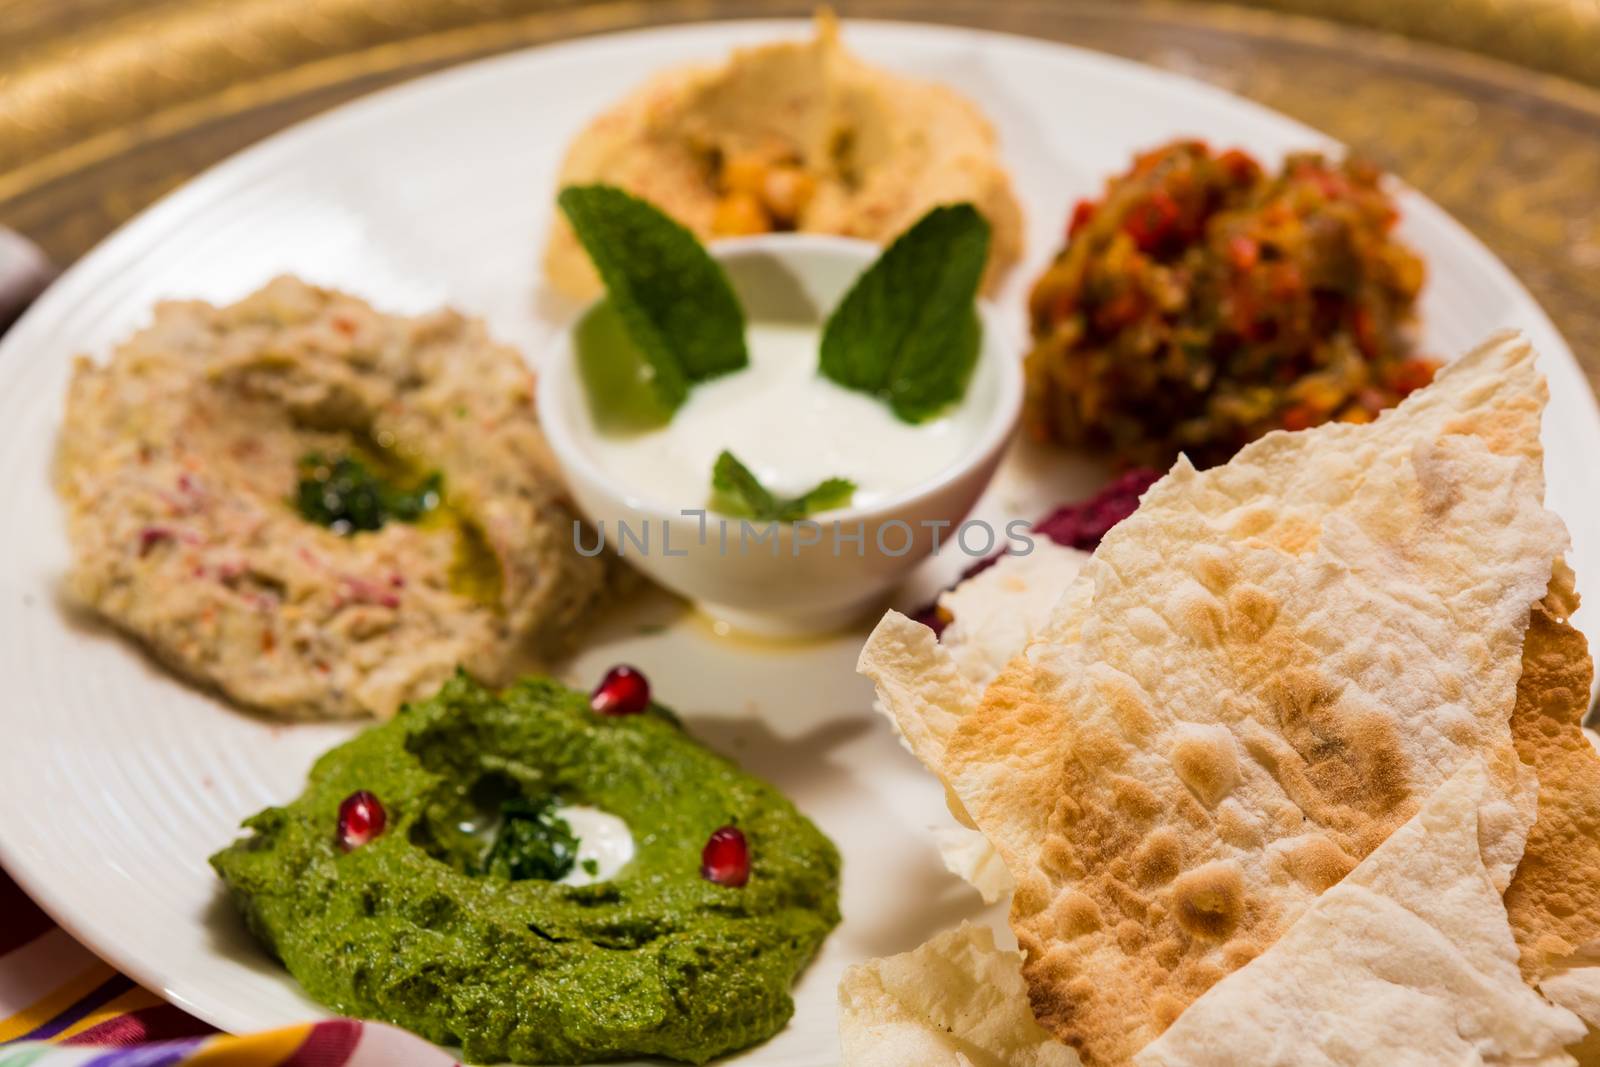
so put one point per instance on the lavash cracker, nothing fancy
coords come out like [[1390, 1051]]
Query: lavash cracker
[[957, 1001], [969, 856], [1249, 688], [992, 614], [1552, 889], [1552, 910], [995, 613], [1553, 901], [1554, 898], [1577, 988], [1408, 962]]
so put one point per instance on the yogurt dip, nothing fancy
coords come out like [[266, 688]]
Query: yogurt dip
[[789, 424], [640, 477], [605, 844]]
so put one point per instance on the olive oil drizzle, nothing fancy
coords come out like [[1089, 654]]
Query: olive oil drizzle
[[373, 482]]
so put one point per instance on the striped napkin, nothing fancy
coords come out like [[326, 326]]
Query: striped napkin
[[60, 1006]]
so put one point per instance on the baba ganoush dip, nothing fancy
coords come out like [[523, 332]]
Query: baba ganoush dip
[[316, 508], [423, 878]]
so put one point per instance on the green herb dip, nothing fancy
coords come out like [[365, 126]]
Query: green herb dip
[[405, 928]]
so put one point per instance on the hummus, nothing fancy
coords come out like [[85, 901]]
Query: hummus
[[420, 926], [791, 136], [180, 462]]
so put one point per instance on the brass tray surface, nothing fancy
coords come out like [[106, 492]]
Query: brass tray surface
[[107, 104]]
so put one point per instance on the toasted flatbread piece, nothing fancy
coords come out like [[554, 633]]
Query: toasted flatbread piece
[[1554, 898], [1254, 682], [1577, 989], [995, 613], [992, 617], [1408, 961], [957, 1001]]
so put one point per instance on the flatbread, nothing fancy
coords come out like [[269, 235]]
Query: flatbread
[[957, 1001], [1253, 683], [1408, 962], [1554, 898], [993, 615], [1578, 990]]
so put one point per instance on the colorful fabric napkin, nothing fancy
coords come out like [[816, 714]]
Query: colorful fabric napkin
[[61, 1006]]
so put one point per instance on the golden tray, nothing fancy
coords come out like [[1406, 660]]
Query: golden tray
[[107, 104]]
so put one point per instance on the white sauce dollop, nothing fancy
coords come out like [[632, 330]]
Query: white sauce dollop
[[791, 426], [602, 838]]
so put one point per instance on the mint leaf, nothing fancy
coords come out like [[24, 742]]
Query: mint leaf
[[826, 495], [737, 491], [908, 330], [618, 381], [674, 300]]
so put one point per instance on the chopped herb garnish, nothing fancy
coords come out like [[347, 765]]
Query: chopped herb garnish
[[674, 300], [591, 867], [908, 330], [533, 842], [342, 494], [735, 490]]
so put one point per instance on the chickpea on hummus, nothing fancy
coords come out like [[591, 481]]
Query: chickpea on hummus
[[795, 135], [316, 508]]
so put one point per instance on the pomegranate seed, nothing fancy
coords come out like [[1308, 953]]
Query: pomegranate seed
[[361, 818], [726, 858], [623, 691]]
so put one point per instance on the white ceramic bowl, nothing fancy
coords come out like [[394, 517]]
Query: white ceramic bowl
[[814, 575]]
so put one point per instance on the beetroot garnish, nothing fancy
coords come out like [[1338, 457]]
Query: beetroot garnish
[[726, 858], [1082, 526], [623, 691], [1085, 524], [361, 818]]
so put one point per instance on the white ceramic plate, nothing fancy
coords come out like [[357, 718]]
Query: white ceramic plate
[[116, 782]]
